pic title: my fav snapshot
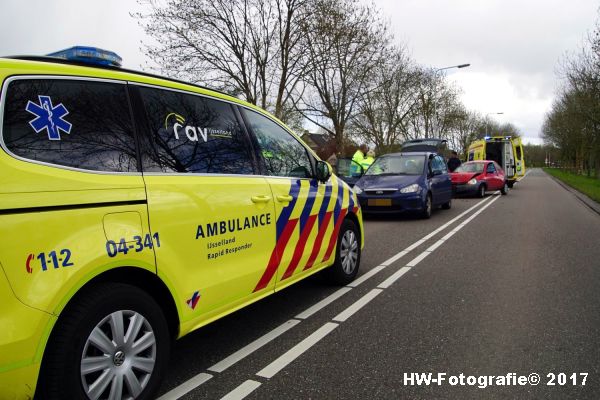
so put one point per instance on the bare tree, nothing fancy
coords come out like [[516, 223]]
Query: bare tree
[[383, 112], [345, 42], [437, 105], [248, 48], [463, 130]]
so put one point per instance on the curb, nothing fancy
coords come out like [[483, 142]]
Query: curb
[[591, 204]]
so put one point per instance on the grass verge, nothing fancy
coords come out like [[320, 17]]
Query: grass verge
[[588, 186]]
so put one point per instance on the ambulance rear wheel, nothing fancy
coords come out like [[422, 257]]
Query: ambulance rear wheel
[[347, 254], [510, 184], [504, 189], [113, 342]]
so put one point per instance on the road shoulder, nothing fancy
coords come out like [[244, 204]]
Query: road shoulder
[[590, 203]]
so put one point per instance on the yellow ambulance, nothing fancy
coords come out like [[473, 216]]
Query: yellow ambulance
[[135, 209], [505, 150]]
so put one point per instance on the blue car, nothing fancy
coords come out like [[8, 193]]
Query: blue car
[[411, 181]]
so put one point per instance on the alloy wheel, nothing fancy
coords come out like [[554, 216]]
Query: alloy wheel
[[349, 252], [118, 357]]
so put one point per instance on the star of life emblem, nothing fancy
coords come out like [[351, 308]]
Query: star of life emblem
[[48, 117]]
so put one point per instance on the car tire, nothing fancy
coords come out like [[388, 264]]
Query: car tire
[[481, 191], [347, 255], [504, 189], [102, 330], [427, 210], [448, 205]]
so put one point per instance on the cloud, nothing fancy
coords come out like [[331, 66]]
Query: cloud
[[513, 47], [41, 27]]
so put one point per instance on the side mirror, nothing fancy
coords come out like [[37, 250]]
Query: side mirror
[[323, 171]]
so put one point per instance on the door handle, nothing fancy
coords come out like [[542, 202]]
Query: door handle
[[285, 198], [260, 199]]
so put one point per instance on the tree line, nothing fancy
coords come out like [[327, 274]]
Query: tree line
[[573, 123], [331, 62]]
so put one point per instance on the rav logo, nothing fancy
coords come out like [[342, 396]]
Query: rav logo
[[192, 132]]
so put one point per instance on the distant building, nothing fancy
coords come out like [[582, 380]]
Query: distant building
[[319, 143]]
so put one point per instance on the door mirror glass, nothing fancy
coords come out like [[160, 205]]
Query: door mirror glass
[[323, 171]]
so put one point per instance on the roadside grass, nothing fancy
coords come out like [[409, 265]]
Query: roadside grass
[[588, 186]]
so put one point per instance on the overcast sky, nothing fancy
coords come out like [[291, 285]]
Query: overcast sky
[[513, 45]]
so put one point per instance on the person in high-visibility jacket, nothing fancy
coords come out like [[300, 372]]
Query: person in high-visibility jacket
[[368, 160], [358, 158]]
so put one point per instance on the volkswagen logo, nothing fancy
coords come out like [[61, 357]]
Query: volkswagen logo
[[119, 358]]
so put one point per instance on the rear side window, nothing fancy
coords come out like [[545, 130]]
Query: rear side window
[[73, 123], [193, 134], [490, 168], [519, 152]]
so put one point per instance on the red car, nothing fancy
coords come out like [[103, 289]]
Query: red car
[[477, 177]]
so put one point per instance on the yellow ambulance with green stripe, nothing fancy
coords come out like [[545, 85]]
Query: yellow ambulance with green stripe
[[135, 209]]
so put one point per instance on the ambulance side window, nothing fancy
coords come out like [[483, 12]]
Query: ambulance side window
[[282, 153], [192, 134], [73, 123], [471, 155]]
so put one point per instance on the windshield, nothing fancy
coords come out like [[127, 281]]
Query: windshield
[[398, 165], [470, 167]]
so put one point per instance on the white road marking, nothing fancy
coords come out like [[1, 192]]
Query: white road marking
[[418, 259], [326, 301], [395, 258], [414, 245], [252, 347], [419, 242], [435, 245], [242, 391], [393, 278], [270, 370], [357, 305], [450, 234], [185, 387], [365, 276]]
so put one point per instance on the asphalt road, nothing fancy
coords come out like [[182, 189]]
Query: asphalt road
[[515, 289]]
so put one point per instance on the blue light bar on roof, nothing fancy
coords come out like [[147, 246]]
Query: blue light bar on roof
[[89, 55]]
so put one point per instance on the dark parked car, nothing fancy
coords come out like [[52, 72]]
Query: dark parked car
[[411, 181]]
